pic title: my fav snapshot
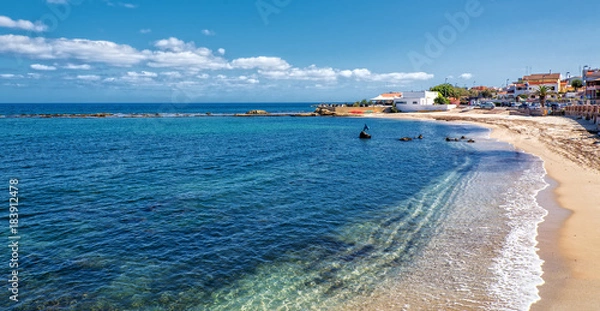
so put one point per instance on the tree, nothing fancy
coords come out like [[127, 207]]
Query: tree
[[441, 100], [364, 103], [577, 83], [487, 93], [446, 90], [542, 92]]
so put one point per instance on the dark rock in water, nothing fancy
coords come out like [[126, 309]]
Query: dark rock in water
[[364, 135], [208, 113], [406, 139], [420, 136], [451, 139], [462, 137], [471, 141]]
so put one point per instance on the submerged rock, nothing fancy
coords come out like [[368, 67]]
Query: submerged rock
[[364, 135], [406, 139]]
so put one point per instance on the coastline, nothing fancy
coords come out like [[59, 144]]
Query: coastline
[[569, 237]]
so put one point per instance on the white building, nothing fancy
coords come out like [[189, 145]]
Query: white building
[[414, 101]]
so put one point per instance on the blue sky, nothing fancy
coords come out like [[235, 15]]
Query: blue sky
[[281, 50]]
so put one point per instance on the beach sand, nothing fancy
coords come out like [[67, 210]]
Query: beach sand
[[569, 238]]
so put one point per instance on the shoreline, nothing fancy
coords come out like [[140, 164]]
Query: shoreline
[[569, 237]]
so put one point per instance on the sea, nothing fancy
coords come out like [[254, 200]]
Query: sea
[[166, 207]]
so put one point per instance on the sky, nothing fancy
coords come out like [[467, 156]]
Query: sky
[[78, 51]]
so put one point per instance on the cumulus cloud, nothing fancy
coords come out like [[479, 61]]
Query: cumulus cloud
[[176, 53], [466, 76], [312, 73], [181, 59], [315, 73], [7, 22], [42, 67], [80, 49], [261, 62]]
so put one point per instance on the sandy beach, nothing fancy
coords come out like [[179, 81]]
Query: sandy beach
[[569, 238]]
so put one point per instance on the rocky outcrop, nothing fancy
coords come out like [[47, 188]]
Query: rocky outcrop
[[324, 111], [406, 139], [255, 112]]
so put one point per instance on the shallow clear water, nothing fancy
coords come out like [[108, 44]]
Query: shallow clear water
[[262, 213]]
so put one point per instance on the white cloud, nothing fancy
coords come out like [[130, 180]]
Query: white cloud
[[174, 45], [7, 22], [172, 74], [89, 77], [180, 60], [208, 32], [77, 67], [251, 80], [42, 67], [176, 53], [80, 49], [466, 76], [171, 52], [128, 5], [145, 30], [315, 73], [143, 74], [34, 75], [393, 77], [312, 73], [122, 4], [9, 76], [261, 62]]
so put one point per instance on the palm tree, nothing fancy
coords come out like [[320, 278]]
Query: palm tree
[[542, 92]]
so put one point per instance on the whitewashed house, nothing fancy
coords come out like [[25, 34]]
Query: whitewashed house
[[416, 101]]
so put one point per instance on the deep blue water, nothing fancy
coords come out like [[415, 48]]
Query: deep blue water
[[166, 108], [214, 213]]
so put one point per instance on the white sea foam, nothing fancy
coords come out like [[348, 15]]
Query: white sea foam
[[518, 269]]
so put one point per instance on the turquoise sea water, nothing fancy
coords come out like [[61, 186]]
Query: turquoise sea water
[[263, 213]]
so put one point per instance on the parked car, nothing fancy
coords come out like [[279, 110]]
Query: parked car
[[487, 105], [523, 106]]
